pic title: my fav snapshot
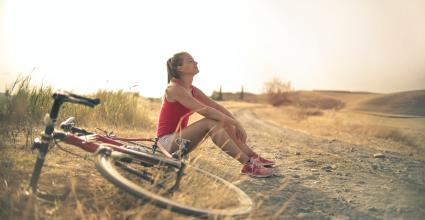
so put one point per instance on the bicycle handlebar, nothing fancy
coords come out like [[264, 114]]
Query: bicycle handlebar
[[70, 97]]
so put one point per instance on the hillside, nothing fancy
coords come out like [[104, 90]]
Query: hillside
[[350, 98], [411, 103], [400, 103]]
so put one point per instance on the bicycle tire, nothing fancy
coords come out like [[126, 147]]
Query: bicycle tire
[[107, 163]]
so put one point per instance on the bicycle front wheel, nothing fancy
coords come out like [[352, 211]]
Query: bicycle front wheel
[[197, 192]]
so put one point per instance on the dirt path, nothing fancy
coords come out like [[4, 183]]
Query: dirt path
[[317, 178]]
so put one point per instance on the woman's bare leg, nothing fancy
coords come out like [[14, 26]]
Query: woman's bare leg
[[197, 131], [242, 146]]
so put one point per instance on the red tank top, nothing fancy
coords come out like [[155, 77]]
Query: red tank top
[[173, 116]]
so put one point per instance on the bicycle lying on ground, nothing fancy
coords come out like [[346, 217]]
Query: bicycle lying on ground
[[140, 169]]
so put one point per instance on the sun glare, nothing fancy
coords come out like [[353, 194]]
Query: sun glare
[[87, 45], [113, 46]]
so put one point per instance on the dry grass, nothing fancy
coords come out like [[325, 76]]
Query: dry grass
[[315, 100], [23, 108], [351, 99], [399, 134]]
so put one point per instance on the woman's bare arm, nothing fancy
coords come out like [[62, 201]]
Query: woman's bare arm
[[209, 102], [178, 93]]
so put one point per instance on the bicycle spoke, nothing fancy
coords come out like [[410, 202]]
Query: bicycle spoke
[[196, 191]]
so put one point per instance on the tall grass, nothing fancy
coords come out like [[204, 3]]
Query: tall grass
[[23, 108]]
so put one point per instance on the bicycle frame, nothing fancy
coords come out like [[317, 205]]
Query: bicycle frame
[[94, 142]]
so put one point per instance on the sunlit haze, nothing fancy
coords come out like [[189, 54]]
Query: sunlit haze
[[83, 46]]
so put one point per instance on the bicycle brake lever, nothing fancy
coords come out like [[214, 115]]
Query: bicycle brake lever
[[111, 134], [68, 124]]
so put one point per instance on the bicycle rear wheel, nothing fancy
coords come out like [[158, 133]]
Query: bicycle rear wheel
[[198, 192]]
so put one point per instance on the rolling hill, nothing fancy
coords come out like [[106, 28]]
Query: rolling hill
[[400, 103]]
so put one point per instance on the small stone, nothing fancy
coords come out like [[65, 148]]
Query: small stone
[[297, 153], [311, 177], [296, 176], [311, 162], [411, 154], [379, 155], [327, 168], [401, 210], [361, 182], [340, 217], [301, 215], [314, 170], [373, 209]]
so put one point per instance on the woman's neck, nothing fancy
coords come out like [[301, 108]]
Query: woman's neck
[[186, 81]]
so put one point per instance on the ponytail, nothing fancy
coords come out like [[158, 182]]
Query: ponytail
[[171, 71], [172, 64]]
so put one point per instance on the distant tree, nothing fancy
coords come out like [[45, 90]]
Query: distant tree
[[217, 95], [278, 91], [241, 94]]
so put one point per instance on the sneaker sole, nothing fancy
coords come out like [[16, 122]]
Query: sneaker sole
[[259, 176], [268, 165]]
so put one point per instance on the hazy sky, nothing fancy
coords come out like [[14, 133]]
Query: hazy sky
[[82, 45]]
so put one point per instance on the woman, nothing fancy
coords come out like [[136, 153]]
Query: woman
[[181, 99]]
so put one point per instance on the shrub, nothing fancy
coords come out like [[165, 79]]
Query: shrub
[[278, 92]]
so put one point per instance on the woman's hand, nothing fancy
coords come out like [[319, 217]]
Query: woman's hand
[[240, 133]]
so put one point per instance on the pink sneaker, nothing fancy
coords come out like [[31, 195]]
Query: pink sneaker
[[261, 161], [255, 170]]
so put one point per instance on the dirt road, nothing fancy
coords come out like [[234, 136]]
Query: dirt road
[[318, 178]]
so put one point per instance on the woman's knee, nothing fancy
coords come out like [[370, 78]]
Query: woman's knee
[[210, 124]]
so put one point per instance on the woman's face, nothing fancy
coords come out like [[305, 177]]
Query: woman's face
[[189, 65]]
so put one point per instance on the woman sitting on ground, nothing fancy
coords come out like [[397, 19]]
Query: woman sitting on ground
[[181, 99]]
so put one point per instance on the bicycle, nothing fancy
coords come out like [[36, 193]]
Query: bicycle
[[145, 171]]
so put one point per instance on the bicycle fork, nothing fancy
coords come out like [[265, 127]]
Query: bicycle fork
[[43, 146]]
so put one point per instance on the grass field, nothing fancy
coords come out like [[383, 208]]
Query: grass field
[[92, 197], [392, 117]]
